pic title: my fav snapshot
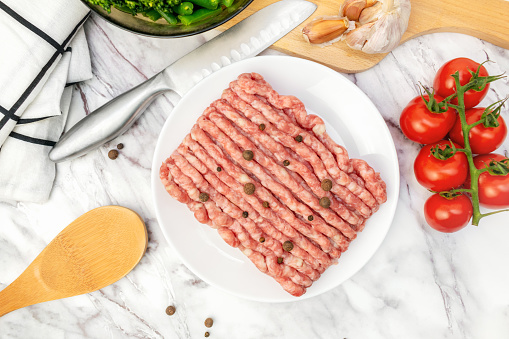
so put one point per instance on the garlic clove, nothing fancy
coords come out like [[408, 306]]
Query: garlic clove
[[370, 3], [324, 29], [357, 38], [352, 9], [371, 14]]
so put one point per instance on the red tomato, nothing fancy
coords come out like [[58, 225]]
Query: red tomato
[[421, 125], [448, 215], [440, 175], [493, 189], [482, 140], [444, 84]]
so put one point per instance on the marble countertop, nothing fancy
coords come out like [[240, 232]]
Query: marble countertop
[[419, 284]]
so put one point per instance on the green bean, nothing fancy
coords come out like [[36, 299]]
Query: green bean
[[199, 15], [170, 17], [209, 4], [227, 3], [152, 14], [184, 8], [125, 9]]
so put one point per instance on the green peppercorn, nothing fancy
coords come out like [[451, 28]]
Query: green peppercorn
[[286, 163], [249, 188], [248, 155], [325, 202], [218, 169], [279, 260], [326, 184], [288, 246], [261, 127], [245, 214], [204, 197], [265, 204], [298, 138], [310, 218], [262, 239]]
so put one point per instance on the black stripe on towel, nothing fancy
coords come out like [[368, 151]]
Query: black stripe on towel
[[32, 140], [11, 113], [31, 27]]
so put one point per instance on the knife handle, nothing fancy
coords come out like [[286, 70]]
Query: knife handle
[[108, 121]]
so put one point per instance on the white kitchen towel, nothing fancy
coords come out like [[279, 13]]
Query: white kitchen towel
[[37, 40]]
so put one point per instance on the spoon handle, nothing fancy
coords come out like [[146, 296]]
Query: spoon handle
[[20, 293]]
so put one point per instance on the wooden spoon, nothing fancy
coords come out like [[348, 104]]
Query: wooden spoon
[[94, 251]]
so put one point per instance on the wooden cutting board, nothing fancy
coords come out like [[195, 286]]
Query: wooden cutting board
[[485, 19]]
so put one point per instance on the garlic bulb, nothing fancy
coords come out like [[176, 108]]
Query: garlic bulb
[[385, 27], [372, 26]]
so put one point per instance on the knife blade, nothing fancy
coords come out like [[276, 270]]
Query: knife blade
[[244, 40]]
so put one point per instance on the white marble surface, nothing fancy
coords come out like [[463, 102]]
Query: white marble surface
[[420, 283]]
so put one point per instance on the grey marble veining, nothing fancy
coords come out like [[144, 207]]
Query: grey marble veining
[[419, 284]]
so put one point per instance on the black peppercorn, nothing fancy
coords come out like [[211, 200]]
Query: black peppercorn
[[326, 184], [209, 322], [113, 154], [207, 334], [170, 310], [298, 138], [265, 204], [286, 163], [249, 188], [325, 202], [262, 239], [218, 169], [279, 260], [288, 246], [248, 155], [120, 146], [310, 218], [204, 197], [261, 127], [245, 214]]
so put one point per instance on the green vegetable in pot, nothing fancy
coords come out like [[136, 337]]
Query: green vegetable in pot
[[209, 4], [199, 15], [184, 8]]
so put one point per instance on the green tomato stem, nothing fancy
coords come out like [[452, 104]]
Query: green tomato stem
[[474, 173]]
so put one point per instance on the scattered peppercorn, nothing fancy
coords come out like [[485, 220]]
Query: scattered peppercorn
[[265, 204], [262, 239], [298, 138], [326, 184], [286, 163], [249, 188], [120, 146], [209, 322], [288, 246], [218, 169], [207, 334], [279, 260], [310, 218], [325, 202], [113, 154], [245, 214], [261, 127], [248, 155], [170, 310], [204, 197]]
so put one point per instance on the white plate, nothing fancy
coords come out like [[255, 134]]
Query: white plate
[[352, 120]]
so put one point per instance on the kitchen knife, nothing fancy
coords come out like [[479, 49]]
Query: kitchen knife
[[244, 40]]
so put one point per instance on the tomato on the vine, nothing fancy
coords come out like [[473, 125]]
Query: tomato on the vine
[[445, 86], [437, 174], [421, 125], [493, 189], [482, 139], [448, 214]]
